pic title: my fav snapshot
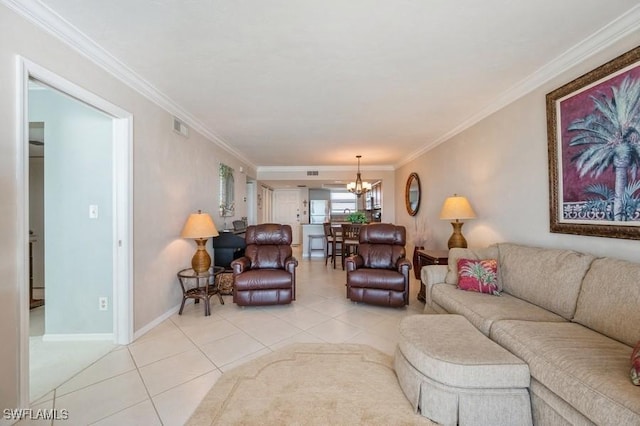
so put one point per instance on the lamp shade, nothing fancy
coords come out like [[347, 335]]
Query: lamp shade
[[199, 225], [455, 208]]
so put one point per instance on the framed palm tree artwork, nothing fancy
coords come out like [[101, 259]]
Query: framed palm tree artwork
[[593, 129]]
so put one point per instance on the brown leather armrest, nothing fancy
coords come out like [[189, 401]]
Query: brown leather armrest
[[404, 266], [353, 262], [290, 264], [240, 265]]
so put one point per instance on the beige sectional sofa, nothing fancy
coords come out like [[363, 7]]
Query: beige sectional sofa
[[572, 317]]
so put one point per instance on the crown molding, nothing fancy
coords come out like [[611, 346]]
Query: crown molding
[[45, 18], [617, 29], [303, 169]]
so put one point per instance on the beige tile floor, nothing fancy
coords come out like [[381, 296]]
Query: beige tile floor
[[161, 377], [51, 363]]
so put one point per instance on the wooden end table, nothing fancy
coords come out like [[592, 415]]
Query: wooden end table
[[426, 258], [205, 286]]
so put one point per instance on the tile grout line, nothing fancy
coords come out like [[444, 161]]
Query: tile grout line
[[216, 367], [55, 390], [128, 406], [155, 409]]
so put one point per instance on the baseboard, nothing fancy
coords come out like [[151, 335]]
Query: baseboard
[[151, 325], [85, 337], [109, 336]]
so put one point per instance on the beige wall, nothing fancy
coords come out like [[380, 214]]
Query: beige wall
[[500, 164], [172, 176]]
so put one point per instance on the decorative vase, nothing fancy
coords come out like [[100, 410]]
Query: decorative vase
[[416, 263]]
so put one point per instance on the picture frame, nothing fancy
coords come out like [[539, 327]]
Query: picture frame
[[593, 131]]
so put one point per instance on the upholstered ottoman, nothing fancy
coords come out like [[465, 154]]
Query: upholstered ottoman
[[454, 374]]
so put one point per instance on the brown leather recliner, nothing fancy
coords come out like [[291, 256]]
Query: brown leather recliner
[[266, 275], [379, 273]]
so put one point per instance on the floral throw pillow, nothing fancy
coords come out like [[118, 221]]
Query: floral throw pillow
[[635, 365], [478, 275]]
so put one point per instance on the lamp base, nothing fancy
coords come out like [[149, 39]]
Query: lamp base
[[457, 239], [201, 261]]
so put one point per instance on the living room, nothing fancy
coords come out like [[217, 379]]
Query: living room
[[496, 157]]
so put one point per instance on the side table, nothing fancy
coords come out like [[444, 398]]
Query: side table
[[205, 286], [426, 258]]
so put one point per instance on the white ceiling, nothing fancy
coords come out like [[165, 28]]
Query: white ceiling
[[297, 83]]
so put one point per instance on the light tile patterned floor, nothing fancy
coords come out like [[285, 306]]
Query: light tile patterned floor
[[161, 378]]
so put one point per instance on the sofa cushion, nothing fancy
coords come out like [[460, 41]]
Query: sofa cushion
[[585, 368], [383, 279], [478, 275], [549, 278], [483, 309], [455, 254], [608, 300], [263, 279]]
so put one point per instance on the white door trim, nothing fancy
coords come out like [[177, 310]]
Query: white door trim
[[123, 202]]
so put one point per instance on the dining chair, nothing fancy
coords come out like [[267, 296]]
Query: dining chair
[[329, 247], [336, 243], [350, 239]]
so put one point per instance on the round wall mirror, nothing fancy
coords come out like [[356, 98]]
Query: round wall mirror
[[412, 194]]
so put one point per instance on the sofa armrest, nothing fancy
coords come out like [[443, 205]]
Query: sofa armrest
[[240, 265], [354, 262], [290, 264], [431, 275], [404, 266]]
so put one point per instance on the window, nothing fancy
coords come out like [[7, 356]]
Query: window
[[343, 202]]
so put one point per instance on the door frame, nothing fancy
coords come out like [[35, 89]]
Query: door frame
[[122, 141], [252, 217]]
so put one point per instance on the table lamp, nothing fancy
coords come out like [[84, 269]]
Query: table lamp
[[200, 227], [456, 208]]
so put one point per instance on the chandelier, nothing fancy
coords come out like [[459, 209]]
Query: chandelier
[[359, 187]]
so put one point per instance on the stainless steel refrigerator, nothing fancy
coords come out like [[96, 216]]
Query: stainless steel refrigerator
[[319, 211]]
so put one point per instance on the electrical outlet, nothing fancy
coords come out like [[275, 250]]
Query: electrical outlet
[[103, 304]]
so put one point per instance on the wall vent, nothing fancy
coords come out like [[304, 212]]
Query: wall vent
[[180, 128], [312, 173]]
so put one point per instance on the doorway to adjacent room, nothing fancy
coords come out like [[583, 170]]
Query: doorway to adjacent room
[[84, 232]]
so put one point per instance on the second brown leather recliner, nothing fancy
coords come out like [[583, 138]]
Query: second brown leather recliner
[[266, 274], [379, 273]]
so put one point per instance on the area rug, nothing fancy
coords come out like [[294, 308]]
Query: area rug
[[310, 384]]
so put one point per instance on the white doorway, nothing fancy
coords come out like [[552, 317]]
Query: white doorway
[[116, 288], [286, 210]]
